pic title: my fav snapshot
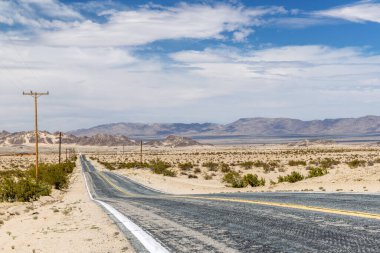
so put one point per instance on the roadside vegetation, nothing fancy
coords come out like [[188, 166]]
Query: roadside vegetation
[[235, 180], [21, 185], [249, 166], [293, 177]]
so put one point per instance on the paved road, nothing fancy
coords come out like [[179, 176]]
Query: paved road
[[247, 223]]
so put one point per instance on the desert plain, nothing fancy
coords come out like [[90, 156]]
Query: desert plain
[[41, 225]]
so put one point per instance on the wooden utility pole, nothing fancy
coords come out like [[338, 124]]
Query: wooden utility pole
[[60, 143], [141, 158], [35, 95]]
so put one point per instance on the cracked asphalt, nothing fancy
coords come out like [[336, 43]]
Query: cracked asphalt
[[185, 224]]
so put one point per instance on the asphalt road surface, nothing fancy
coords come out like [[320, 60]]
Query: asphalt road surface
[[246, 222]]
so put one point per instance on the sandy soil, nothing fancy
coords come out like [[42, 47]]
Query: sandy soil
[[340, 178], [65, 222]]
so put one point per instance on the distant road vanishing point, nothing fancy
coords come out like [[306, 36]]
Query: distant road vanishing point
[[237, 222]]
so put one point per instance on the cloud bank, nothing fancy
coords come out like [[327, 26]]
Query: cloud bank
[[97, 71]]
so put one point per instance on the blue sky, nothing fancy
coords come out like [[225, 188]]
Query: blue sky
[[190, 61]]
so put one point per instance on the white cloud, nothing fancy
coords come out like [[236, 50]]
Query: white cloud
[[147, 24], [363, 11], [319, 67], [95, 76], [44, 14]]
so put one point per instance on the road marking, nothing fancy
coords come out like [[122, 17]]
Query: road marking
[[114, 185], [145, 239], [294, 206], [267, 203]]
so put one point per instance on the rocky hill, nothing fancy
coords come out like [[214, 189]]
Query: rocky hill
[[246, 126], [25, 138], [28, 138], [156, 129], [175, 141]]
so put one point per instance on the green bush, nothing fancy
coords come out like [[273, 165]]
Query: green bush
[[109, 166], [18, 185], [253, 180], [296, 163], [185, 166], [266, 166], [356, 163], [224, 167], [291, 178], [317, 172], [56, 175], [233, 179], [246, 165], [24, 189], [211, 166], [130, 165], [328, 163], [161, 167]]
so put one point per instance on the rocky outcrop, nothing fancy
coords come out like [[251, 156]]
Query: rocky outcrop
[[175, 141]]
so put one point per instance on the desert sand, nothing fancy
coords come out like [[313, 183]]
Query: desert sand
[[64, 222], [340, 177]]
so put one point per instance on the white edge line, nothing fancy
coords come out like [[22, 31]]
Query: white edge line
[[145, 239]]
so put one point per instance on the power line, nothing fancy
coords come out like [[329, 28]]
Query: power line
[[35, 95]]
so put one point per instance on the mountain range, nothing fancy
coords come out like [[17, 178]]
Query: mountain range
[[246, 126]]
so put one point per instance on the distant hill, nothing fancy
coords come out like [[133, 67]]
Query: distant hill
[[175, 141], [46, 138], [140, 129], [246, 126]]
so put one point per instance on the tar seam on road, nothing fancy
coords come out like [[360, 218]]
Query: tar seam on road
[[145, 239]]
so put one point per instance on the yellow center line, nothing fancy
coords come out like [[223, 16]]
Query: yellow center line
[[256, 202], [294, 206], [114, 185]]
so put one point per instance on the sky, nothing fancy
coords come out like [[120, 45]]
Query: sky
[[186, 61]]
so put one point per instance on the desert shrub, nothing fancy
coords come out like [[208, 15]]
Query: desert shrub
[[328, 163], [207, 176], [185, 166], [259, 164], [11, 173], [109, 166], [246, 165], [211, 166], [296, 163], [224, 167], [233, 179], [356, 163], [56, 175], [169, 173], [291, 178], [161, 167], [317, 172], [197, 170], [192, 176], [268, 167], [253, 180], [24, 189], [133, 164]]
